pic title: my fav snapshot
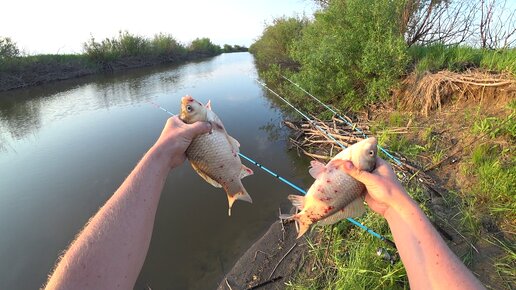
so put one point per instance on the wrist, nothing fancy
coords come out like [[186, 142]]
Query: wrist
[[400, 206], [158, 154]]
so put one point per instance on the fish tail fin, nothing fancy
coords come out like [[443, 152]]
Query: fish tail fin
[[245, 171], [302, 222], [239, 195]]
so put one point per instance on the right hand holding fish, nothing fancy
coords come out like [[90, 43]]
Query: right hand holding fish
[[382, 185], [176, 137]]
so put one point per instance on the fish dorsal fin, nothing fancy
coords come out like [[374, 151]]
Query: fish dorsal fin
[[208, 105], [245, 172], [205, 176], [317, 168], [354, 209], [297, 200]]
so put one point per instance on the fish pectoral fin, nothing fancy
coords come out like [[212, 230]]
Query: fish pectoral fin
[[208, 105], [297, 200], [206, 177], [316, 169], [354, 209], [286, 216], [245, 171]]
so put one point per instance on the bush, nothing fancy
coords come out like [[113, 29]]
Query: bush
[[165, 44], [204, 46], [353, 53], [274, 45]]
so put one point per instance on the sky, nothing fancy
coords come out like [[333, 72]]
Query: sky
[[59, 26]]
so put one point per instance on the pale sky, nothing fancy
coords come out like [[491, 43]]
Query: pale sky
[[59, 26]]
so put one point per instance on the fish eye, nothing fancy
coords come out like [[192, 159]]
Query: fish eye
[[371, 153], [189, 108]]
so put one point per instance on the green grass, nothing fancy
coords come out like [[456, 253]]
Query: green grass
[[345, 258], [460, 58]]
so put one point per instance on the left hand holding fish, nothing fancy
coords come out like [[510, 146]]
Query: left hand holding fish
[[176, 137]]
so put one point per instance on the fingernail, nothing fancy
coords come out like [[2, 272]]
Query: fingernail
[[348, 165]]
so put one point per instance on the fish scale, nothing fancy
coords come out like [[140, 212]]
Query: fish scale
[[210, 161], [337, 194]]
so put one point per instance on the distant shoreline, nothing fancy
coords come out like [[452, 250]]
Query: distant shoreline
[[57, 68]]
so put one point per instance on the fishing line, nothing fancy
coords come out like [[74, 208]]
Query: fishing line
[[284, 180], [343, 119], [327, 134]]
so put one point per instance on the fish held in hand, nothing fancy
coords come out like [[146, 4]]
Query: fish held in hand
[[214, 156], [334, 195]]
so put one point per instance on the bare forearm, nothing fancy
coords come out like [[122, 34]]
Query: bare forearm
[[429, 262], [111, 249]]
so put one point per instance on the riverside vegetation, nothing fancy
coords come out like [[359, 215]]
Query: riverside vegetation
[[111, 54], [435, 82]]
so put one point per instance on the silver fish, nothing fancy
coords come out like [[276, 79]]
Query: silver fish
[[334, 195], [214, 156]]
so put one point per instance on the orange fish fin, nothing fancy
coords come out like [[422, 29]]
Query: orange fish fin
[[297, 200], [208, 105], [205, 176], [241, 195], [354, 209], [316, 169], [302, 222], [245, 171]]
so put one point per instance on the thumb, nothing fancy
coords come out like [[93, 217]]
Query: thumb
[[198, 128], [360, 175]]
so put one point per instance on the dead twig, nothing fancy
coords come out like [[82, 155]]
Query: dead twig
[[227, 283], [281, 260]]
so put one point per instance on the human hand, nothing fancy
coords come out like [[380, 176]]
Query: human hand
[[176, 137], [382, 185]]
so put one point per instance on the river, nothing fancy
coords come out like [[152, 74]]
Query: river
[[66, 147]]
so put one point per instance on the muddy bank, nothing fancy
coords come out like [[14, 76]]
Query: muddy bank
[[51, 70], [270, 262]]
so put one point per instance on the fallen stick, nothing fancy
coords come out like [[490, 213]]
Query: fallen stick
[[281, 260]]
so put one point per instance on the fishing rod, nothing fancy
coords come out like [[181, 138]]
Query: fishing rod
[[284, 180], [342, 118]]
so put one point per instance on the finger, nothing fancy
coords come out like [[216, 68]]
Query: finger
[[175, 122], [198, 128], [360, 175]]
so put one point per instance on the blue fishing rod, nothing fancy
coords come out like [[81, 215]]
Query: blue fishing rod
[[289, 183], [343, 119]]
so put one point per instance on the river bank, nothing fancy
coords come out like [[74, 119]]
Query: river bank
[[40, 70]]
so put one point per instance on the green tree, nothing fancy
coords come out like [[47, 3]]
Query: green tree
[[8, 48]]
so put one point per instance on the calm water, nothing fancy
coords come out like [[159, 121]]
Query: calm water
[[66, 147]]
